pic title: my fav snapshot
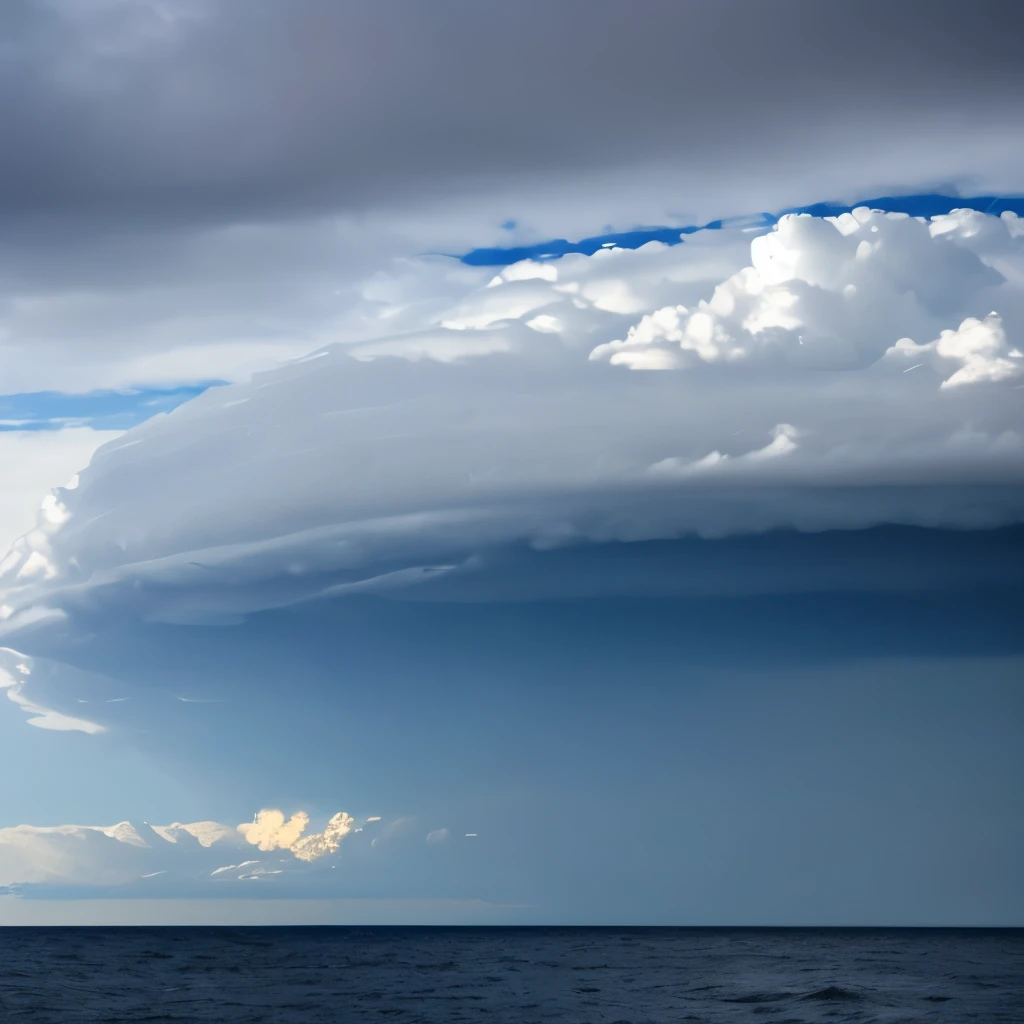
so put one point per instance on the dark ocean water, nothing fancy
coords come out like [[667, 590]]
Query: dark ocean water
[[521, 974]]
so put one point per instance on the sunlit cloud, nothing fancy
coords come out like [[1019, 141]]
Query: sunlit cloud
[[270, 830], [119, 854]]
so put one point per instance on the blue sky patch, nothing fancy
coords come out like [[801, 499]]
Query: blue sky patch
[[102, 410], [925, 205]]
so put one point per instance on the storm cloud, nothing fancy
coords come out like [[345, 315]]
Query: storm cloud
[[179, 109], [617, 564], [196, 191]]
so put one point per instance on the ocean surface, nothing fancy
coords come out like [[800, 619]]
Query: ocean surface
[[508, 974]]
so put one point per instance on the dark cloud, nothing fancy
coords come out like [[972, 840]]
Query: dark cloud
[[190, 188], [189, 110]]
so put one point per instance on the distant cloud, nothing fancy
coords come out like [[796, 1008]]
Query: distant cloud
[[258, 873], [269, 830], [439, 835], [321, 844], [72, 854], [205, 833], [117, 855], [15, 673], [233, 867]]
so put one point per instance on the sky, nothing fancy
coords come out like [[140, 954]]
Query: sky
[[505, 464]]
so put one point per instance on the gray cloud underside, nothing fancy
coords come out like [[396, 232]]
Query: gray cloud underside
[[182, 109]]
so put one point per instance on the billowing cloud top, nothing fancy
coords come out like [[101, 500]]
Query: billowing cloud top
[[269, 830], [831, 374]]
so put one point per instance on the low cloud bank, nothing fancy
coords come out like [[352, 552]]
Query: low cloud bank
[[136, 855]]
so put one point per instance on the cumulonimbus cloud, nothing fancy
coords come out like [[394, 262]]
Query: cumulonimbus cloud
[[878, 355]]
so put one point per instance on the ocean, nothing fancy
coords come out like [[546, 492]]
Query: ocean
[[614, 975]]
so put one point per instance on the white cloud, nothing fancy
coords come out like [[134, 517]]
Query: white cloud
[[119, 854], [125, 832], [975, 353], [438, 835], [824, 293], [321, 844], [15, 674], [783, 442], [233, 867], [33, 461], [66, 854], [81, 854], [270, 830], [786, 353], [205, 833]]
